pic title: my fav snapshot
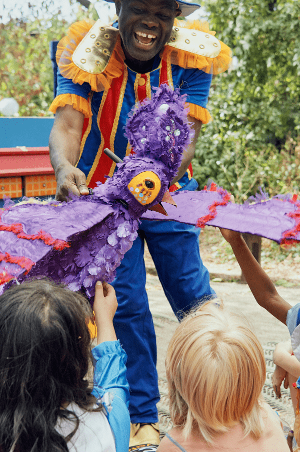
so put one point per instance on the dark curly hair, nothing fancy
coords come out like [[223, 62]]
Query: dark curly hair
[[45, 352]]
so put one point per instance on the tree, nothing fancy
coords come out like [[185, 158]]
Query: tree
[[255, 137], [25, 67]]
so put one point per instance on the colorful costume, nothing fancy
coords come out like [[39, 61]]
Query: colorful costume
[[95, 80], [107, 430]]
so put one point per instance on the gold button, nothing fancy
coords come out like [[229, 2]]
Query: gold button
[[207, 36], [201, 46], [215, 44], [194, 33], [98, 62], [106, 36], [82, 61], [187, 41], [106, 52], [102, 28], [88, 50], [141, 81], [93, 36], [173, 39], [176, 29]]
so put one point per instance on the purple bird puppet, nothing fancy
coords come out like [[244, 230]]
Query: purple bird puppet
[[85, 239]]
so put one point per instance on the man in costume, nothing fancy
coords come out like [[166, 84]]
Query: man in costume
[[103, 71]]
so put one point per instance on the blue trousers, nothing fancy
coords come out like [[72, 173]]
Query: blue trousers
[[174, 248]]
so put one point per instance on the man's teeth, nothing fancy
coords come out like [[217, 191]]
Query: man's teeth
[[144, 35]]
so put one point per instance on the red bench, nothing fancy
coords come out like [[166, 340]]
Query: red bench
[[26, 171]]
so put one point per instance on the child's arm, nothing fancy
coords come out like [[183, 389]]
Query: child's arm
[[283, 357], [260, 284], [287, 370], [110, 382]]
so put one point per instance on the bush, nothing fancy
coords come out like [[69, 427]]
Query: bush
[[254, 139], [26, 73]]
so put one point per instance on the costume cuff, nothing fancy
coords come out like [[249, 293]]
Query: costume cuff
[[107, 348], [200, 113], [77, 102]]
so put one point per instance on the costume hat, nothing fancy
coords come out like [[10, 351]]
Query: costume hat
[[185, 7]]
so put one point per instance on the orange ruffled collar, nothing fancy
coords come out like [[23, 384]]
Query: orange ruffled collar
[[115, 66]]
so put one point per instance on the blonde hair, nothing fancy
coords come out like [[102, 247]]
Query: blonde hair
[[216, 370]]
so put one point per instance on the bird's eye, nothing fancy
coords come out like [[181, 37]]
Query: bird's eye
[[149, 184], [145, 187]]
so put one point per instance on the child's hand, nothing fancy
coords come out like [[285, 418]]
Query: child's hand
[[105, 306], [278, 377], [105, 302], [230, 236]]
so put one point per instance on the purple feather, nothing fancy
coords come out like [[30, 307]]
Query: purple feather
[[158, 129]]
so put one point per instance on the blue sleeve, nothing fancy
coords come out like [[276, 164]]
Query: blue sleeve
[[111, 386], [66, 86], [293, 318], [196, 84]]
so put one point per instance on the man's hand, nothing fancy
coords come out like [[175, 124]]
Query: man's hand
[[70, 179], [105, 306], [64, 147], [278, 377]]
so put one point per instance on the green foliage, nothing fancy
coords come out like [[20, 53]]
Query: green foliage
[[215, 248], [25, 66], [255, 136]]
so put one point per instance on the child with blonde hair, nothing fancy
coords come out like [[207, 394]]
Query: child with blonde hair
[[216, 371]]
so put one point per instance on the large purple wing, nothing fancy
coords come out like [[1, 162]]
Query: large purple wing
[[276, 218], [51, 239]]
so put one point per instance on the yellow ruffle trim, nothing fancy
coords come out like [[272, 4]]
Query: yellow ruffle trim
[[199, 113], [189, 60], [77, 102], [68, 69]]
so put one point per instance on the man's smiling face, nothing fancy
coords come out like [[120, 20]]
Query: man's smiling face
[[145, 26]]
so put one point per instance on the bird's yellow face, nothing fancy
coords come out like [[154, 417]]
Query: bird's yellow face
[[145, 187]]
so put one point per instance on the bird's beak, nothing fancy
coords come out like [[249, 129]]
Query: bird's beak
[[166, 198], [159, 208]]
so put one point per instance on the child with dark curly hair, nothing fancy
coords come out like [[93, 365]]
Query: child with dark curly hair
[[46, 402]]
